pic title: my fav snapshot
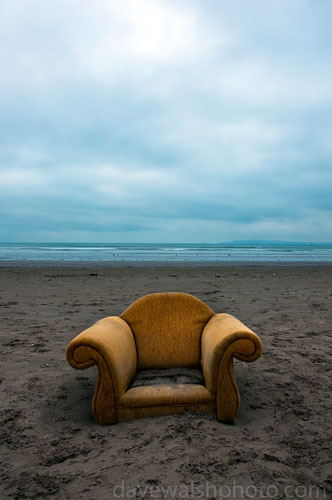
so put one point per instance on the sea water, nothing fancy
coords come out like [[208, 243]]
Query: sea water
[[181, 253]]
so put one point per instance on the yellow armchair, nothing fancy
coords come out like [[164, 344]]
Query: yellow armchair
[[160, 331]]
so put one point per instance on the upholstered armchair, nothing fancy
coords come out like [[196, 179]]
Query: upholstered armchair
[[160, 331]]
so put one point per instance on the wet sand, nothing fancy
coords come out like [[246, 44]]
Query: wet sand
[[280, 446]]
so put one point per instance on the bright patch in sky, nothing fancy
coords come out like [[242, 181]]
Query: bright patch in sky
[[165, 121]]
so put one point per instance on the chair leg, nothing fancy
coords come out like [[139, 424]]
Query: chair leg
[[228, 396], [103, 403]]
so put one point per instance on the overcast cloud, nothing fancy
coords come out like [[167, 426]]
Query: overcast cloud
[[165, 121]]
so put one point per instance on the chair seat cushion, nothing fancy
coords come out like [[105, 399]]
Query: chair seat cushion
[[168, 376], [175, 386]]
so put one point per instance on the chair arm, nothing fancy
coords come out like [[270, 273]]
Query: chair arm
[[226, 337], [110, 345]]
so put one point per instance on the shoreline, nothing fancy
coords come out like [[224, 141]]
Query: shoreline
[[156, 264]]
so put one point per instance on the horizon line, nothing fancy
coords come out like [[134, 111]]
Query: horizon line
[[254, 241]]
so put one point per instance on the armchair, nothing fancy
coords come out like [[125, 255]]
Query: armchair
[[160, 331]]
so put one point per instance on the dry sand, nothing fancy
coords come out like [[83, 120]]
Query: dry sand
[[280, 446]]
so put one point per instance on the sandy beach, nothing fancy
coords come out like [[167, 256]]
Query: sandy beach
[[280, 446]]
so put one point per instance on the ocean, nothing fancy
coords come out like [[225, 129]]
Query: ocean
[[173, 253]]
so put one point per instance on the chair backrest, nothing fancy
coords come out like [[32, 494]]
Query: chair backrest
[[167, 328]]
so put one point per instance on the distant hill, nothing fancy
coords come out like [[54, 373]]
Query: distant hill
[[271, 242]]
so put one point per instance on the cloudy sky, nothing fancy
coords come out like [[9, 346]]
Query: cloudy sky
[[165, 121]]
